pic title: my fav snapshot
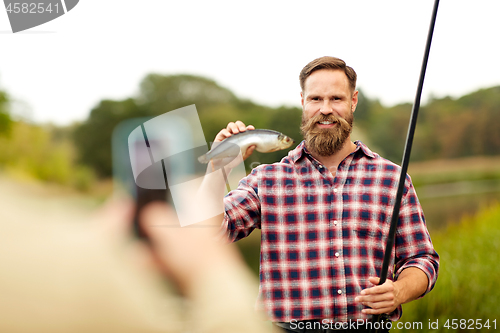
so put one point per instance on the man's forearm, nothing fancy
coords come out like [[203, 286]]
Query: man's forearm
[[210, 196], [411, 284]]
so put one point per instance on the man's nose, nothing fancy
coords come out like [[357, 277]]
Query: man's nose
[[326, 107]]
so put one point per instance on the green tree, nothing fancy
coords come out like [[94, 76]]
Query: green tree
[[364, 109], [446, 128], [159, 94], [467, 126], [5, 120], [93, 137]]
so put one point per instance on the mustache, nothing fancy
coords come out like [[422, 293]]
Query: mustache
[[326, 117], [308, 125]]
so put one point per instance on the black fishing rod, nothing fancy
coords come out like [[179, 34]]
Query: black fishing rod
[[406, 161]]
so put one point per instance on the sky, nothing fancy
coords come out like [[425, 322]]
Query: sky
[[57, 72]]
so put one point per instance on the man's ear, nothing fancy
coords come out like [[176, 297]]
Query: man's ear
[[354, 100], [301, 98]]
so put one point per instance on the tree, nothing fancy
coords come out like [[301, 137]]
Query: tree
[[93, 137], [5, 120], [158, 94], [447, 128]]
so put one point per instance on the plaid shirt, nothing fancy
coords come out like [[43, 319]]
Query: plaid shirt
[[323, 236]]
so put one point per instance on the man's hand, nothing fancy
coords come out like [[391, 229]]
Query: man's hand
[[411, 284], [381, 299], [234, 128]]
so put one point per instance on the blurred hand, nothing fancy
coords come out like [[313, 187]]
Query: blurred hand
[[114, 220], [186, 253], [212, 275]]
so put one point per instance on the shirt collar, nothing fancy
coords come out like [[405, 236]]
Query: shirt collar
[[301, 150], [360, 146]]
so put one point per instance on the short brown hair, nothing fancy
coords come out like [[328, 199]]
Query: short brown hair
[[328, 63]]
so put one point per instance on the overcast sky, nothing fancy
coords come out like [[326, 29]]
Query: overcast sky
[[102, 49]]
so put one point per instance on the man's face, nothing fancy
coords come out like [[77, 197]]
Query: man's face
[[328, 105]]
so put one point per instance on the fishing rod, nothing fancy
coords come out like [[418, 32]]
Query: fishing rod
[[406, 160]]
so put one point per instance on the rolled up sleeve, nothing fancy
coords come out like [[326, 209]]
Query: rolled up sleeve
[[413, 243], [242, 209]]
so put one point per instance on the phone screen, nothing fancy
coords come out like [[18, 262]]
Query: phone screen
[[149, 154]]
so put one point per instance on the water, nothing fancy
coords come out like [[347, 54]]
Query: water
[[451, 202]]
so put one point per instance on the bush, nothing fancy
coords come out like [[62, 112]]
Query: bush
[[467, 286], [32, 151]]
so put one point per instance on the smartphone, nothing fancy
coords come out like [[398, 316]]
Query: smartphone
[[149, 154]]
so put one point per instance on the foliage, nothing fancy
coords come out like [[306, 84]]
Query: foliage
[[159, 94], [469, 270], [5, 120], [467, 125], [31, 150], [386, 129], [447, 128], [42, 152], [93, 137]]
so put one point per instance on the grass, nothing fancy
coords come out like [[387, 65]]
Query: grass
[[467, 286]]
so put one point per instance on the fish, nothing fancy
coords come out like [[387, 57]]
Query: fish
[[265, 141]]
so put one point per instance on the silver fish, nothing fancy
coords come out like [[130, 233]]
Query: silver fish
[[265, 140]]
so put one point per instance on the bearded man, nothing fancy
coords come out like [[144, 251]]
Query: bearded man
[[324, 212]]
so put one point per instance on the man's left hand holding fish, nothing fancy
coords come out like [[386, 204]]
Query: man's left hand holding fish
[[235, 128]]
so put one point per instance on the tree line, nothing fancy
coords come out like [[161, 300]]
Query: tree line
[[447, 127], [159, 94], [45, 152]]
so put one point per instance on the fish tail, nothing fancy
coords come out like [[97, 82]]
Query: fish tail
[[203, 159]]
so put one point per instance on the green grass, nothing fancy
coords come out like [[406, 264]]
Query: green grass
[[467, 286]]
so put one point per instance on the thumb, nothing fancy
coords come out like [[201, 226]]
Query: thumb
[[374, 280], [248, 152]]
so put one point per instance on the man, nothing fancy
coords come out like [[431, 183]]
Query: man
[[325, 212]]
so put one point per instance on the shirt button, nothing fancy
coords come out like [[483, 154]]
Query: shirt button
[[335, 190], [339, 292], [337, 254], [335, 222]]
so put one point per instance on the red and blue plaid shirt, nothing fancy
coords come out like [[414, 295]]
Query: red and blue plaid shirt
[[323, 235]]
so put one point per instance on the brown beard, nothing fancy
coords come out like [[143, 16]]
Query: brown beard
[[326, 141]]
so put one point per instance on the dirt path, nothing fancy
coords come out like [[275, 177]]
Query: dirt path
[[36, 201]]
